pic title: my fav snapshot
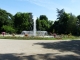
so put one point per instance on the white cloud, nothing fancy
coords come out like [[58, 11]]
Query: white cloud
[[48, 4], [73, 1]]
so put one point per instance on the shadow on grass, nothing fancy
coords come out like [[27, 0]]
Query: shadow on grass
[[16, 56], [73, 46]]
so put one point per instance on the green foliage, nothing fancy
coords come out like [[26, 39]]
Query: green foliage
[[8, 29], [42, 23], [61, 25], [5, 18], [71, 24], [66, 23], [23, 21], [78, 25], [43, 17]]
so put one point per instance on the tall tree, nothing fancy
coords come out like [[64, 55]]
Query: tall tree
[[72, 24], [66, 23], [23, 21], [42, 23], [43, 17], [5, 19], [78, 25], [61, 24]]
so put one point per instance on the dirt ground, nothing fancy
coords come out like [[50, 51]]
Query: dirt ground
[[39, 49]]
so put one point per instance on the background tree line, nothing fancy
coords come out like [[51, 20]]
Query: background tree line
[[65, 23], [22, 21]]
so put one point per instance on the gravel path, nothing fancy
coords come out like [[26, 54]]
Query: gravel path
[[39, 49]]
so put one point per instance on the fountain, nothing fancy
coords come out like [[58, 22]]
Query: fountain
[[34, 26], [35, 32]]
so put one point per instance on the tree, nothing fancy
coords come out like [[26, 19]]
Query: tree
[[5, 19], [43, 17], [8, 29], [78, 17], [61, 24], [78, 25], [50, 26], [72, 24], [66, 23], [23, 21], [42, 23]]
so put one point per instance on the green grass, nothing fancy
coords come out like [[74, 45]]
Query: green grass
[[70, 37], [65, 37], [27, 38]]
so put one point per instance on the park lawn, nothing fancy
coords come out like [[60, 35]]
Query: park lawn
[[41, 38]]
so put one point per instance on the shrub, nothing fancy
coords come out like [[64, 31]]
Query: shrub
[[8, 29], [26, 35]]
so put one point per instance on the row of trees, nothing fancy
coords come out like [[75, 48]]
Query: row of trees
[[22, 21], [65, 23]]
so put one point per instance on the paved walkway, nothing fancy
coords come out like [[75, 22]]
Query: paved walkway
[[39, 49]]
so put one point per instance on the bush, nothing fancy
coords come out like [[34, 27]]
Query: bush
[[26, 35], [8, 29]]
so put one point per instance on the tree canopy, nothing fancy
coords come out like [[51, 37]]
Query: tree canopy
[[65, 23], [5, 19], [23, 21]]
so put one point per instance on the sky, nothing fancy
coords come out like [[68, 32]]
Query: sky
[[41, 7]]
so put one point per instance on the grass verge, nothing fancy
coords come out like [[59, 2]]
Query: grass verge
[[41, 38]]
